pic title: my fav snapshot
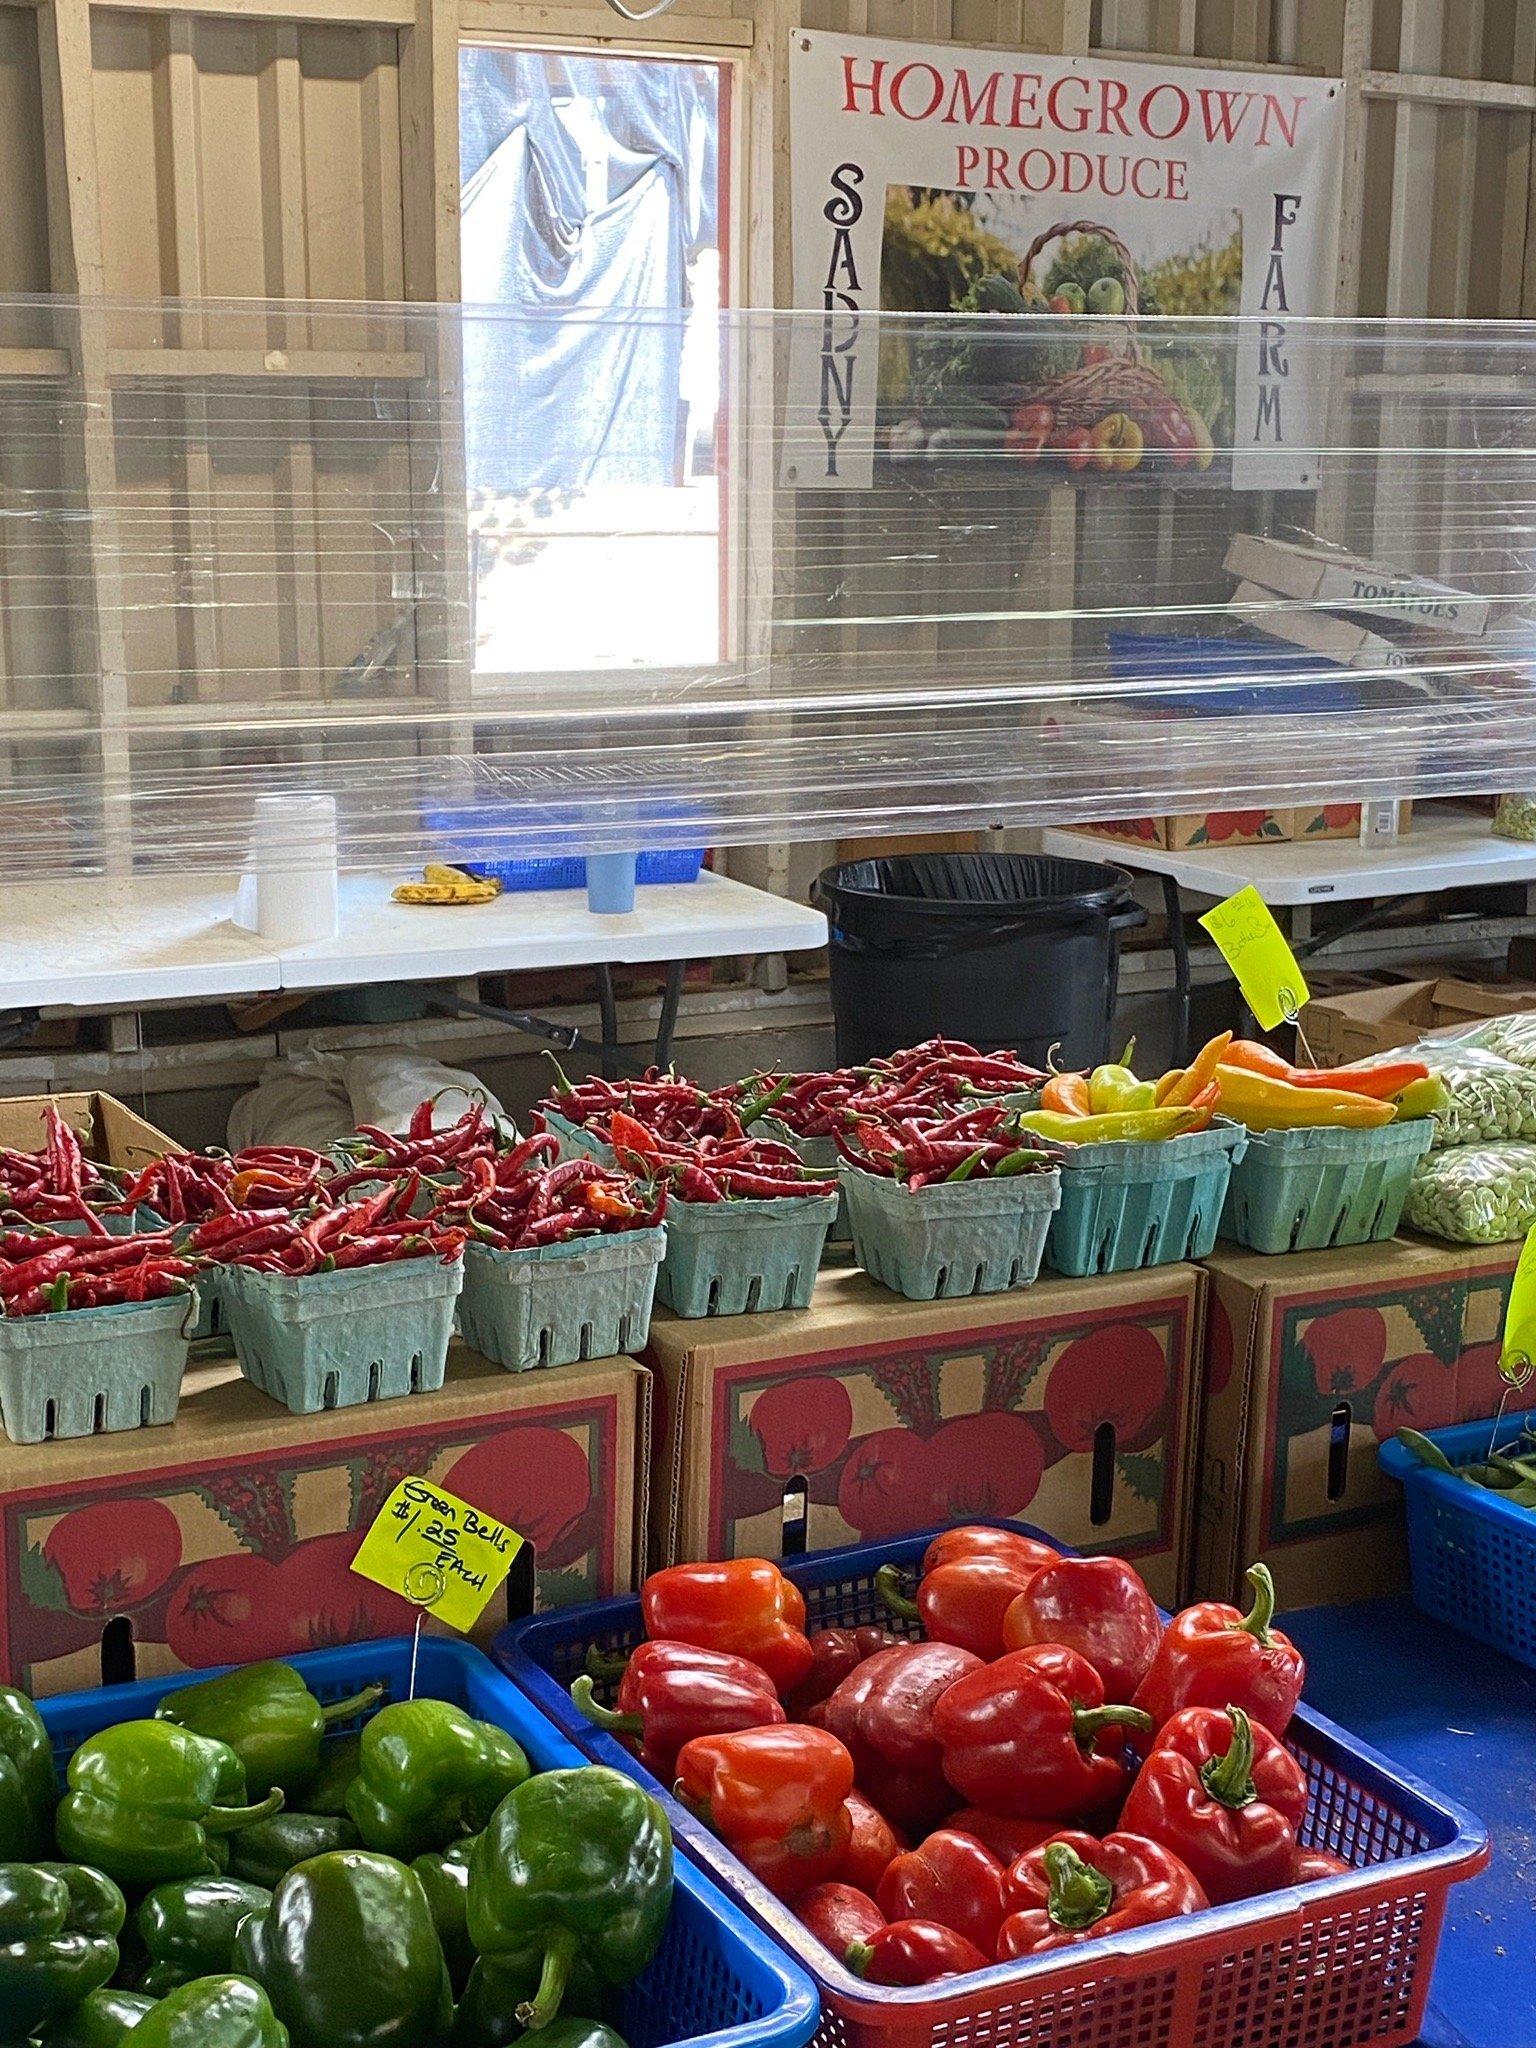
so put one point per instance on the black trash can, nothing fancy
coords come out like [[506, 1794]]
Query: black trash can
[[1003, 949]]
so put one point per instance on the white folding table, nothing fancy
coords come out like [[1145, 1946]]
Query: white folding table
[[84, 943]]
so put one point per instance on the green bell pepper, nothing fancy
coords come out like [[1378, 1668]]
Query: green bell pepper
[[445, 1880], [487, 2013], [270, 1719], [212, 2012], [29, 1787], [98, 2021], [59, 1925], [327, 1791], [188, 1928], [575, 1862], [349, 1956], [429, 1773], [261, 1854], [147, 1800]]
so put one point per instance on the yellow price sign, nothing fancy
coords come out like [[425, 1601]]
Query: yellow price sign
[[439, 1552], [1254, 947], [1517, 1354]]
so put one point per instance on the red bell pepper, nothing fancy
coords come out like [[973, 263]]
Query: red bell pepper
[[777, 1797], [1097, 1606], [1313, 1864], [914, 1952], [980, 1539], [872, 1845], [1021, 1735], [671, 1692], [1226, 1796], [1075, 1888], [744, 1606], [963, 1601], [839, 1915], [1213, 1656], [1005, 1834], [834, 1653], [884, 1713], [951, 1878]]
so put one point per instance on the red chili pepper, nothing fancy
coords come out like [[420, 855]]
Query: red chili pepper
[[1076, 1888], [671, 1692], [952, 1878], [914, 1952], [834, 1653], [1213, 1656], [1022, 1735], [776, 1796], [1226, 1796], [839, 1915], [872, 1845], [1005, 1834], [884, 1712], [962, 1602], [979, 1539], [743, 1606], [1097, 1606]]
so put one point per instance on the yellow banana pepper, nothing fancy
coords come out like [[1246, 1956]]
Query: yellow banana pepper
[[1268, 1105], [1131, 1126]]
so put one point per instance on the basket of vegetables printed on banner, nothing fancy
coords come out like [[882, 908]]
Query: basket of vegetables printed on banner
[[1146, 1172], [561, 1257], [1060, 380], [955, 1207], [1331, 1151]]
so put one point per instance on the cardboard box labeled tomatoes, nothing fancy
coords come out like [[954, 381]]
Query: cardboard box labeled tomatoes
[[1311, 1361], [1069, 1403], [228, 1535]]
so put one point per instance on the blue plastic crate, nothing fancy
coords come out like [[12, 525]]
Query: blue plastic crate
[[1473, 1555], [469, 839], [1233, 1972], [1199, 657], [715, 1980]]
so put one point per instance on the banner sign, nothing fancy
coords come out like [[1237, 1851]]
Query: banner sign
[[929, 178]]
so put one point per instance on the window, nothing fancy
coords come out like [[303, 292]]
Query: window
[[593, 216]]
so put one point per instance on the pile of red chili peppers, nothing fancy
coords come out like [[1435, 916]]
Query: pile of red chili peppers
[[287, 1209], [924, 1084], [973, 1144], [1046, 1764]]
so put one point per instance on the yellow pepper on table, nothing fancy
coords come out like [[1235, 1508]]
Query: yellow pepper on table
[[1132, 1126], [1264, 1103]]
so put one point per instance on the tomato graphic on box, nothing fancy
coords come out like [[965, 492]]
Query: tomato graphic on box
[[114, 1554], [803, 1424], [534, 1478], [1117, 1374], [1418, 1393], [1347, 1348], [986, 1464], [887, 1483]]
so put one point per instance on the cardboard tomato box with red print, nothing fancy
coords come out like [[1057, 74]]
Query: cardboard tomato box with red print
[[1068, 1404], [1313, 1360], [228, 1535]]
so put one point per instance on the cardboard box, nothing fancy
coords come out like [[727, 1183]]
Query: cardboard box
[[227, 1535], [1356, 1025], [1069, 1404], [1310, 1361], [109, 1131], [1205, 828]]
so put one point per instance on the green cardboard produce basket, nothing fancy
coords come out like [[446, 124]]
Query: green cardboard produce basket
[[576, 1142], [589, 1297], [952, 1239], [334, 1340], [735, 1258], [1308, 1189], [86, 1371], [1126, 1206], [819, 1153]]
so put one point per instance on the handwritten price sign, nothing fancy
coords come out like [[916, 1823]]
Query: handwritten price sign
[[438, 1551], [1254, 947]]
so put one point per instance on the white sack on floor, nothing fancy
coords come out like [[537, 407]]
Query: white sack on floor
[[313, 1098]]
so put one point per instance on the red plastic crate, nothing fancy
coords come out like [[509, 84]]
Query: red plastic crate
[[1329, 1965]]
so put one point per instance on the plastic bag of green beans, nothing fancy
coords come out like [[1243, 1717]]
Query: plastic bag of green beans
[[1509, 1038], [1491, 1098], [1474, 1194]]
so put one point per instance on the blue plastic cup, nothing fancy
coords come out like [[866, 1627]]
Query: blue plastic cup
[[611, 883]]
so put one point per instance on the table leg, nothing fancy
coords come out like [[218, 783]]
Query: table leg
[[666, 1021], [1174, 910], [608, 1010]]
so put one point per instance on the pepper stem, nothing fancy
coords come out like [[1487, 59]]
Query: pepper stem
[[559, 1954], [226, 1820], [1079, 1894], [858, 1956], [1229, 1778], [609, 1665], [600, 1716], [359, 1703], [1256, 1621], [888, 1586], [1088, 1723]]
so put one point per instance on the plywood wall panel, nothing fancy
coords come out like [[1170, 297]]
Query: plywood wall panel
[[23, 194]]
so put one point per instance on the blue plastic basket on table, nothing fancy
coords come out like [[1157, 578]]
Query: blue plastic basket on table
[[1226, 661], [716, 1982], [1333, 1964], [1473, 1556]]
